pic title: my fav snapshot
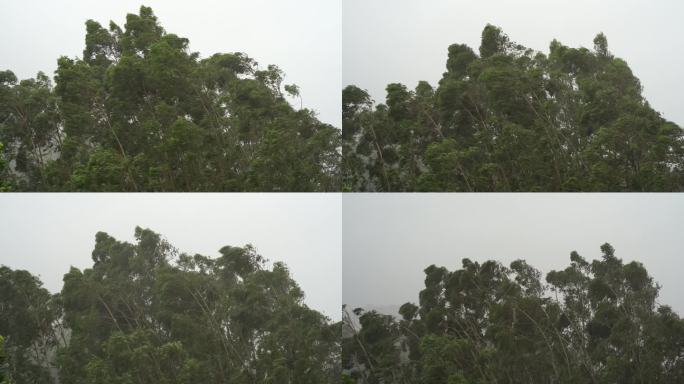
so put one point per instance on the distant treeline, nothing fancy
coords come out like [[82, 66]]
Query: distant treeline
[[512, 119], [593, 322], [145, 314], [140, 112]]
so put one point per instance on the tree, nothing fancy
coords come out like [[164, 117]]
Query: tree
[[146, 314], [512, 119], [5, 185], [29, 318], [141, 112], [4, 366], [593, 322], [29, 127]]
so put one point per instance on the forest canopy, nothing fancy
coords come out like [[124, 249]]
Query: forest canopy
[[145, 313], [508, 118], [593, 322], [140, 112]]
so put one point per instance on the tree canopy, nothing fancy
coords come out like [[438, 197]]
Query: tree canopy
[[593, 322], [512, 119], [29, 328], [141, 112], [145, 313]]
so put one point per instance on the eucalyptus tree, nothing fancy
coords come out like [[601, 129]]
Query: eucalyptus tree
[[512, 119], [29, 129], [139, 111], [4, 365], [29, 319], [146, 314], [5, 185], [593, 322]]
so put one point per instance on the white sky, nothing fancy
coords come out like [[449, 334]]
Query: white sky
[[302, 37], [407, 41], [389, 239], [47, 233]]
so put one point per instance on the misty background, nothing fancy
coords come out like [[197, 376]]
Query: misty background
[[47, 233], [407, 41], [389, 239], [302, 37]]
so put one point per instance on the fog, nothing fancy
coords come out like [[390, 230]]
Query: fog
[[389, 239], [47, 233], [302, 37], [407, 41]]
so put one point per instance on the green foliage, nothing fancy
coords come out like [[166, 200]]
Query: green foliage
[[143, 313], [5, 185], [29, 328], [141, 112], [4, 365], [593, 322], [29, 121], [146, 314], [513, 120]]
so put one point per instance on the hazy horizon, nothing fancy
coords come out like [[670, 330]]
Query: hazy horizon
[[390, 239], [47, 233]]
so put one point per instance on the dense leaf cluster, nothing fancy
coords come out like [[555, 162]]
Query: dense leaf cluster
[[512, 119], [29, 328], [145, 314], [140, 112], [592, 322]]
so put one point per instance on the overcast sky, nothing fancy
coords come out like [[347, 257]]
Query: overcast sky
[[389, 239], [407, 41], [302, 37], [47, 233]]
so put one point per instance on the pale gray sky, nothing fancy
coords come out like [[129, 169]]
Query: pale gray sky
[[47, 233], [302, 37], [407, 41], [389, 239]]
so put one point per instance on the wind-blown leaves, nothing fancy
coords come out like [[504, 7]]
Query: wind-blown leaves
[[143, 313], [593, 322], [141, 112], [512, 119]]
